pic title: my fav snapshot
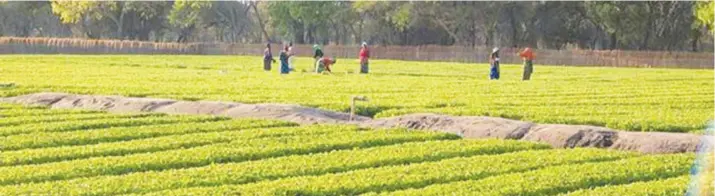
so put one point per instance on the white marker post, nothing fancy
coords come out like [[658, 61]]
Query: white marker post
[[352, 105]]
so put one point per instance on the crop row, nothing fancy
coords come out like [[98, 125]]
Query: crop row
[[24, 120], [88, 137], [562, 179], [70, 125], [44, 155], [11, 106], [270, 169], [40, 111], [675, 186], [408, 176], [235, 151]]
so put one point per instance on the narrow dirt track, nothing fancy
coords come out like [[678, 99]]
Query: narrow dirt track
[[559, 136]]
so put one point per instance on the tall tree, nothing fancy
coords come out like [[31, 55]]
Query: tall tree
[[704, 21], [229, 19], [652, 25], [705, 14], [185, 16], [125, 19], [29, 18]]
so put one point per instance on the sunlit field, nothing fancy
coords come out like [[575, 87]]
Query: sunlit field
[[76, 152], [672, 100]]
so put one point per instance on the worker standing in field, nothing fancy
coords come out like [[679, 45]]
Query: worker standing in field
[[317, 53], [284, 60], [364, 56], [291, 56], [528, 57], [268, 58], [494, 64], [323, 64]]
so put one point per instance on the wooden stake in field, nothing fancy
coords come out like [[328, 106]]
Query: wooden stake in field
[[352, 105], [7, 85]]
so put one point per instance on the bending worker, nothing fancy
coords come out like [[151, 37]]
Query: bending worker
[[528, 57], [324, 64]]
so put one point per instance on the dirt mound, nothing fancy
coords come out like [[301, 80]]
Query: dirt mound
[[465, 126], [292, 113], [560, 136], [658, 142], [570, 136]]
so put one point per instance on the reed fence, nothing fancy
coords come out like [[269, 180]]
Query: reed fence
[[611, 58]]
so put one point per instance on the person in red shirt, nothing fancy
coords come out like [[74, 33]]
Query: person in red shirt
[[324, 64], [528, 57], [364, 55]]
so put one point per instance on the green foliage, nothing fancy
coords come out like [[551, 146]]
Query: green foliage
[[123, 19], [401, 18], [217, 156], [408, 176], [705, 14], [203, 134], [74, 11], [186, 13], [118, 134], [654, 25], [293, 19], [40, 112], [669, 186], [673, 100], [642, 25], [269, 169], [69, 125], [281, 18], [253, 146], [71, 11], [399, 14], [28, 119], [562, 179]]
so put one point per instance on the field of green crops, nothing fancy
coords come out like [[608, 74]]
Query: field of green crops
[[673, 100], [75, 152]]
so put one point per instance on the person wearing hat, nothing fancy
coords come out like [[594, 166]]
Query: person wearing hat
[[268, 58], [494, 62], [364, 55], [317, 53], [324, 64], [528, 57]]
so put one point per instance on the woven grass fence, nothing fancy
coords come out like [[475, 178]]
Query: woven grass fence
[[611, 58]]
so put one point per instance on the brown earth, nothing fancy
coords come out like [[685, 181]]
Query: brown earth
[[559, 136]]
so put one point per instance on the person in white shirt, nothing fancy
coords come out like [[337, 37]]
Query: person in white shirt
[[291, 58]]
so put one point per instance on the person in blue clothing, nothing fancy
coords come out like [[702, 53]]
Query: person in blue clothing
[[285, 69], [494, 62]]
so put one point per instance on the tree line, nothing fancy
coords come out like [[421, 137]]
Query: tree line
[[645, 25]]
